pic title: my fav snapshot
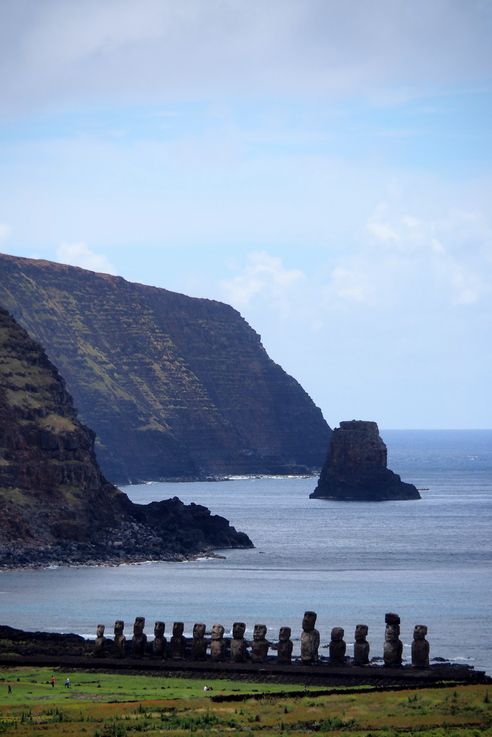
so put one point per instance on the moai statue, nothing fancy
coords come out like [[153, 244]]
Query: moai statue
[[199, 643], [361, 646], [260, 645], [420, 647], [160, 642], [139, 641], [217, 644], [337, 646], [178, 642], [393, 646], [101, 642], [284, 646], [119, 644], [239, 651], [309, 639]]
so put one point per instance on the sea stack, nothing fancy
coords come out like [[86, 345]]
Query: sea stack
[[355, 467]]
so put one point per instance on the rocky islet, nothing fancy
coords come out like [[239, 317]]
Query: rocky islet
[[355, 468]]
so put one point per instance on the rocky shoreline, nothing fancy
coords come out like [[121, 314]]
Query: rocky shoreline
[[65, 557]]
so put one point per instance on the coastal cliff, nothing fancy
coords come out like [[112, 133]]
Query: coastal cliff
[[173, 386], [55, 504], [355, 467]]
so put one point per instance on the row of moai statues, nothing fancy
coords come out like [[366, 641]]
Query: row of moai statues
[[238, 649]]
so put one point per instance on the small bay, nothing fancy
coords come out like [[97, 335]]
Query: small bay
[[429, 560]]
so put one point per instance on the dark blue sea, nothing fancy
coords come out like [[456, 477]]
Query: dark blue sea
[[428, 560]]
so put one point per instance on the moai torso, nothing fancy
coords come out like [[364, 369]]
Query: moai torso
[[119, 644], [139, 641], [239, 651], [337, 646], [178, 642], [284, 646], [420, 647], [309, 639], [393, 646], [101, 642], [260, 645], [217, 643], [361, 646], [199, 643], [160, 642]]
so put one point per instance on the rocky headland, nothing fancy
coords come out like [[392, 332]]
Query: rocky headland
[[356, 467], [55, 504], [174, 387]]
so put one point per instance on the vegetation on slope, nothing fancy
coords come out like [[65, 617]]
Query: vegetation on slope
[[103, 705], [173, 386], [55, 504]]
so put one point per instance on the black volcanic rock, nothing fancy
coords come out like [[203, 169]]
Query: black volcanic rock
[[55, 504], [174, 387], [355, 467]]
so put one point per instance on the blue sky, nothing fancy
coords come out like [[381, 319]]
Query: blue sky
[[323, 166]]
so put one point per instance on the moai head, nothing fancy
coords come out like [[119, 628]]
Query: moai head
[[361, 631], [159, 629], [337, 634], [100, 630], [199, 631], [284, 634], [119, 626], [259, 632], [178, 629], [392, 633], [419, 632], [309, 621], [238, 630], [392, 618], [217, 632], [138, 626]]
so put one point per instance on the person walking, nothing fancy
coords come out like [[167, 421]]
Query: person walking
[[52, 681], [67, 682]]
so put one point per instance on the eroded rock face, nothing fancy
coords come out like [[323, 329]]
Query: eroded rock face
[[55, 504], [355, 467], [182, 387]]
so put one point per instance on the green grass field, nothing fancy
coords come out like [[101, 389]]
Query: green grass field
[[110, 705]]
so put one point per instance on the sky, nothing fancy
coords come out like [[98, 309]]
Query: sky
[[324, 166]]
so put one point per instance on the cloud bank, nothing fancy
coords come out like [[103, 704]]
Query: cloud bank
[[162, 50]]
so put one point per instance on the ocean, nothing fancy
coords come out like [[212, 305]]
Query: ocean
[[428, 560]]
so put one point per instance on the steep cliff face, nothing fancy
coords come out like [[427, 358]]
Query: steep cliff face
[[173, 386], [54, 502], [355, 467]]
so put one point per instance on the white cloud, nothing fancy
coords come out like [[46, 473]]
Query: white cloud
[[263, 277], [79, 254], [382, 231], [163, 49], [5, 231]]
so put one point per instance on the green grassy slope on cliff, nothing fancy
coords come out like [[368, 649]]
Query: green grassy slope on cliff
[[173, 386], [55, 504]]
